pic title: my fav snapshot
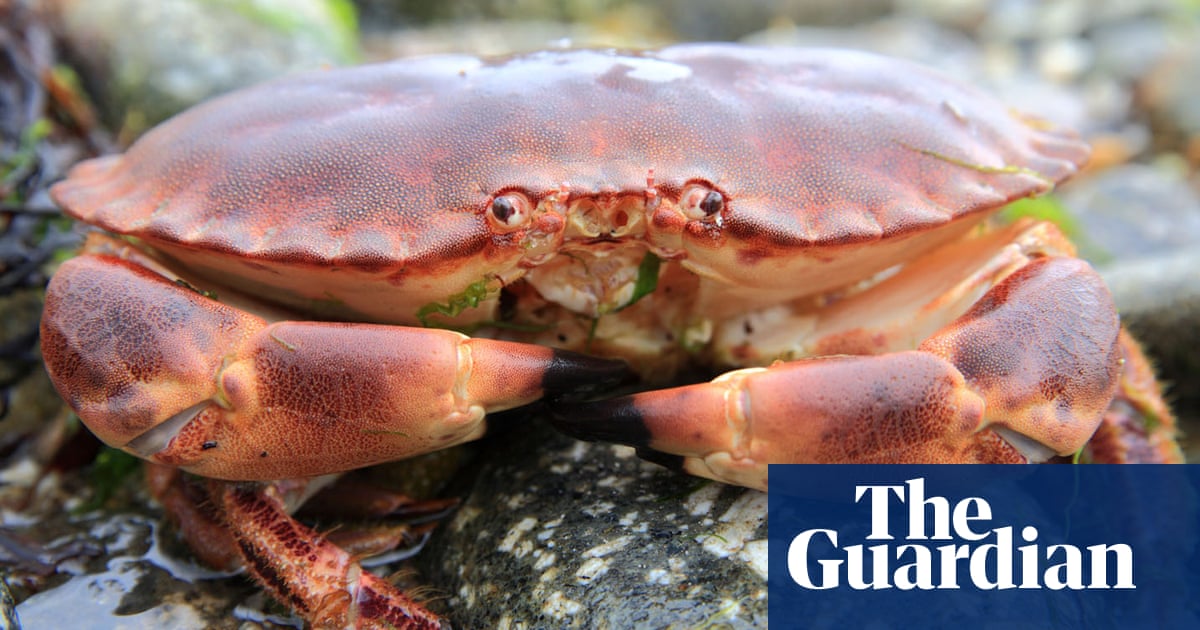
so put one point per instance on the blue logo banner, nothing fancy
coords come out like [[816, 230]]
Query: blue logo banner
[[1051, 546]]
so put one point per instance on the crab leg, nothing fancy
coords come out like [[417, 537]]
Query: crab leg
[[314, 577], [176, 377], [1024, 374], [1138, 426], [233, 525]]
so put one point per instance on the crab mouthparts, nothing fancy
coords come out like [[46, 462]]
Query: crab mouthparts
[[597, 278]]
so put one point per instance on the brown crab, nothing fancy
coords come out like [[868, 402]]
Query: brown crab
[[817, 218]]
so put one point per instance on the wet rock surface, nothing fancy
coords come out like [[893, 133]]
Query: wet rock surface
[[120, 576], [73, 559], [557, 533]]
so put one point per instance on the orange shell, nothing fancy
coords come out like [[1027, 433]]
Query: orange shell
[[388, 168]]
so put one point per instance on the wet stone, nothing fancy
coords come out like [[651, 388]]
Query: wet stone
[[582, 535], [126, 580]]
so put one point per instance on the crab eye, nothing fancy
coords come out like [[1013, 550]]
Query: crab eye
[[509, 212], [702, 203], [712, 203]]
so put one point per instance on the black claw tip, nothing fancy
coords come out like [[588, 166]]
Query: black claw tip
[[666, 460], [616, 420], [575, 375]]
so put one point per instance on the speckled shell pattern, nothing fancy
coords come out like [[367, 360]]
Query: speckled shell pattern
[[389, 168]]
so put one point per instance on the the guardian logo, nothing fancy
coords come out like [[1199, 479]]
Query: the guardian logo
[[973, 553]]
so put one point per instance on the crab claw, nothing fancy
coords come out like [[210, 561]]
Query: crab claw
[[176, 377], [1023, 375]]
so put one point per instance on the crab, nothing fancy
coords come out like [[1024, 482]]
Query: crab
[[355, 266]]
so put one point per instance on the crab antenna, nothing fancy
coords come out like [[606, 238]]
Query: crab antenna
[[651, 191]]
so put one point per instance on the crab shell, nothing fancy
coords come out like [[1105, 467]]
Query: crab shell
[[363, 194]]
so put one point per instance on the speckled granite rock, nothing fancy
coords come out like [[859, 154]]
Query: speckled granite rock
[[564, 534]]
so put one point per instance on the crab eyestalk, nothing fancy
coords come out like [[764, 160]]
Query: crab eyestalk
[[178, 378]]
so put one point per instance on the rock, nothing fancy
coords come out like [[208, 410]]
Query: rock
[[1135, 210], [723, 20], [962, 15], [1129, 50], [148, 59], [499, 37], [697, 20], [909, 37], [1015, 20], [118, 576], [1169, 93], [1159, 299], [8, 608], [565, 534]]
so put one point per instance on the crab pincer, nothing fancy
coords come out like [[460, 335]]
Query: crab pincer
[[233, 396], [1024, 375]]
